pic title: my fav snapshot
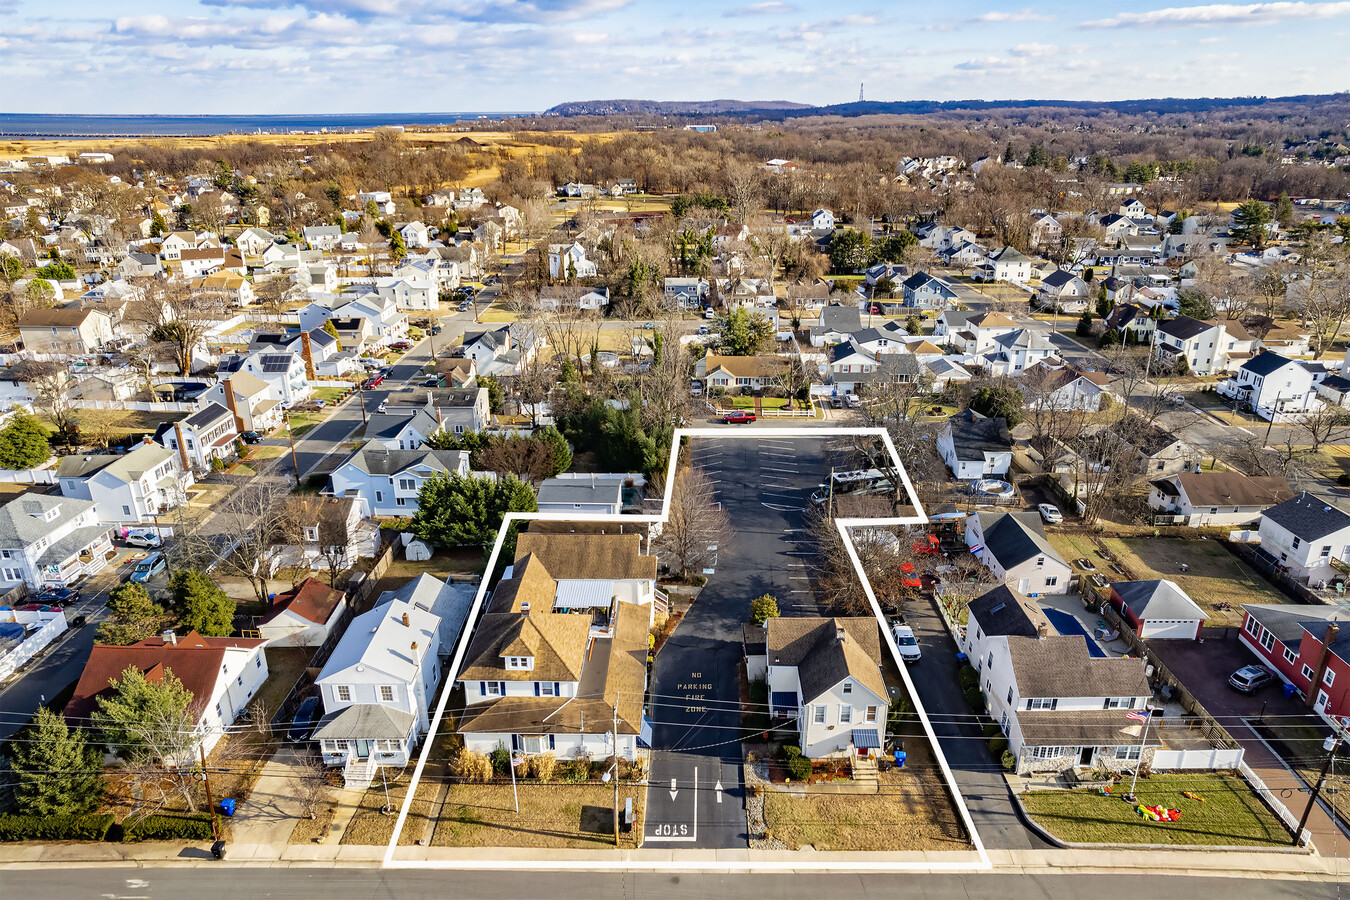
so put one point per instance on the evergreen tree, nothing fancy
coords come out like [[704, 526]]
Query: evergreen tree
[[144, 721], [56, 773], [1084, 327], [133, 616], [850, 251], [24, 443], [464, 510], [1284, 210], [562, 450], [203, 606], [1249, 223], [743, 333], [1003, 401]]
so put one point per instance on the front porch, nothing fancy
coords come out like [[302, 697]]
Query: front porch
[[363, 737], [79, 554]]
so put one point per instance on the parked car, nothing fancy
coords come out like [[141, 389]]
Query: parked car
[[250, 437], [401, 345], [59, 596], [374, 381], [908, 646], [381, 408], [435, 329], [1250, 678], [1050, 513], [143, 539], [433, 381], [306, 717], [79, 622], [148, 568], [709, 314], [739, 417], [648, 326], [464, 307]]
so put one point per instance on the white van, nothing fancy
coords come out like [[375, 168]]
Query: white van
[[904, 639]]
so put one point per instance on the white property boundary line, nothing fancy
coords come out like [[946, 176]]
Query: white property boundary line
[[710, 862]]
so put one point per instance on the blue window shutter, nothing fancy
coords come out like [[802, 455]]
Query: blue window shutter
[[502, 686], [515, 742], [550, 742], [482, 688], [557, 692], [536, 689]]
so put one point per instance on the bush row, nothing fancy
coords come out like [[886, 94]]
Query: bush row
[[54, 828], [168, 828]]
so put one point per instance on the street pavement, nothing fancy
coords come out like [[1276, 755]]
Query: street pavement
[[222, 881], [763, 484]]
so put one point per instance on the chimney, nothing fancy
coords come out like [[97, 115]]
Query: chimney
[[840, 634], [1042, 629], [233, 405], [170, 638], [182, 445], [307, 351], [407, 623], [1323, 658]]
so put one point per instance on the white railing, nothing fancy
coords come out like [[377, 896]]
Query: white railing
[[1289, 819], [359, 772], [138, 405]]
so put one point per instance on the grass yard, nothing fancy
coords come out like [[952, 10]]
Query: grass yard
[[1231, 814], [242, 469], [444, 563], [765, 402], [563, 816], [330, 395], [269, 451], [909, 812], [496, 315], [303, 422]]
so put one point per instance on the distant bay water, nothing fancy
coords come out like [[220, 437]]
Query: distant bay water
[[43, 125]]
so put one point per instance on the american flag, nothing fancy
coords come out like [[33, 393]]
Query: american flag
[[1137, 716]]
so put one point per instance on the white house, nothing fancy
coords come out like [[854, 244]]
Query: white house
[[1208, 347], [1005, 264], [388, 481], [402, 429], [129, 489], [283, 371], [582, 493], [50, 541], [1066, 388], [822, 220], [304, 616], [1274, 386], [1016, 351], [750, 373], [1304, 536], [376, 689], [566, 261], [974, 446], [824, 676], [1217, 498], [1013, 546], [1064, 291], [201, 437]]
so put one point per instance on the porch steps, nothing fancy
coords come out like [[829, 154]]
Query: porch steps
[[865, 773], [359, 773]]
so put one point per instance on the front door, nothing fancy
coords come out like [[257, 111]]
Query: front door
[[1023, 584], [362, 749], [1321, 704], [1085, 755]]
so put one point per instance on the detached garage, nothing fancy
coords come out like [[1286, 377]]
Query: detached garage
[[1158, 609]]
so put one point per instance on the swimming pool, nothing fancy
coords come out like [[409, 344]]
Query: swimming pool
[[1067, 625]]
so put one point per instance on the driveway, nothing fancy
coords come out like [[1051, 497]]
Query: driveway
[[695, 792], [979, 776], [262, 824], [1204, 670]]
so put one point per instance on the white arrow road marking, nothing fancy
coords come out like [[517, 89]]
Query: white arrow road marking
[[673, 789], [718, 789]]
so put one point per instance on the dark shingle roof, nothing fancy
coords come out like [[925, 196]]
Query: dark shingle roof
[[1157, 599], [1264, 363], [1184, 327], [1004, 611], [1307, 516], [1062, 667], [973, 435], [208, 415], [1016, 537]]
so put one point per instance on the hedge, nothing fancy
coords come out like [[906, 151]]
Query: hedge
[[168, 828], [55, 828]]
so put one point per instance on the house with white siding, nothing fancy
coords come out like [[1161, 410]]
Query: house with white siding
[[1304, 536], [50, 541], [127, 489], [1013, 546], [387, 481]]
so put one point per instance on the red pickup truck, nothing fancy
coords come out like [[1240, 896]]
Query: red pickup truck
[[740, 417]]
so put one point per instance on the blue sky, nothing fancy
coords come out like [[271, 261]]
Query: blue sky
[[327, 56]]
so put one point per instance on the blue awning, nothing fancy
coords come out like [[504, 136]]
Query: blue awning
[[645, 734], [866, 739], [783, 702]]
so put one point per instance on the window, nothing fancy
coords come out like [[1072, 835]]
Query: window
[[1052, 580], [845, 714], [1040, 560], [1252, 627], [400, 501], [848, 687], [545, 688], [1328, 677], [1118, 703], [459, 429], [379, 496], [1046, 752], [818, 715], [386, 693], [218, 709], [1268, 640], [991, 658], [1307, 672], [1010, 695], [126, 510], [311, 533], [490, 688], [1290, 656], [1129, 752], [407, 484], [1296, 542], [871, 715], [1326, 551], [344, 693], [1043, 703]]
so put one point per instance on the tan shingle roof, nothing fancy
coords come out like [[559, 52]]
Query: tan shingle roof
[[570, 556], [748, 366], [557, 641], [813, 645]]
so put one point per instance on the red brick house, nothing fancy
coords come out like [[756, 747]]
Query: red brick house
[[1309, 647]]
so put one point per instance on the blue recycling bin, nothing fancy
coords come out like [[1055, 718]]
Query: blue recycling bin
[[900, 757], [227, 806], [1289, 691]]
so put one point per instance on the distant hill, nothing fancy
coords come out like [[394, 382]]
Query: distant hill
[[672, 107], [780, 109]]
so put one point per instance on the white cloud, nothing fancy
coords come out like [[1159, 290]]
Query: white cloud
[[1222, 14], [762, 9], [1021, 15], [1034, 50]]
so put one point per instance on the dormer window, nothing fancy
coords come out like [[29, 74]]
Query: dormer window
[[520, 663]]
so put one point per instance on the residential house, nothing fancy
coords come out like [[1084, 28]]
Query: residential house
[[852, 368], [1217, 498], [1335, 390], [1005, 264], [1064, 291], [376, 690], [448, 601], [1158, 452], [386, 323], [174, 243], [1192, 246], [196, 262], [943, 372], [822, 220], [327, 535], [128, 489], [583, 493], [980, 332], [65, 331], [253, 241], [1208, 347], [1013, 546], [1305, 536], [457, 372], [566, 296], [387, 481], [1066, 388], [201, 437], [836, 324], [749, 373], [1045, 231], [943, 237], [415, 235], [925, 291], [1131, 322], [685, 292], [1118, 226], [1309, 648], [304, 616], [455, 410], [253, 402], [594, 571], [222, 674], [50, 541], [1158, 609], [1060, 706], [951, 321], [139, 265], [285, 372], [540, 680], [321, 237], [1016, 351], [236, 290], [1272, 386], [884, 271], [974, 446], [824, 677], [568, 261]]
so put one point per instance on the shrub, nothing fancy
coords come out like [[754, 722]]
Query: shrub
[[990, 730], [1009, 761], [168, 828], [763, 608], [501, 760], [54, 828], [975, 699], [789, 751], [799, 768], [573, 771], [968, 677], [997, 746], [471, 767], [541, 766], [1342, 479]]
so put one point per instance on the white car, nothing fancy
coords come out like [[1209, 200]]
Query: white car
[[142, 539], [381, 408], [1050, 514], [908, 646]]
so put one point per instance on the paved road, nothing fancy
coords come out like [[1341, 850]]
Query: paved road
[[762, 483], [979, 778], [224, 882]]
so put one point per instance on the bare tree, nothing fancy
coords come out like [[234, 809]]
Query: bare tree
[[697, 528], [1327, 426], [309, 784], [181, 321], [335, 539], [49, 383], [256, 519]]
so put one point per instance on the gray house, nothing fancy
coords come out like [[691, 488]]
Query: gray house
[[924, 291]]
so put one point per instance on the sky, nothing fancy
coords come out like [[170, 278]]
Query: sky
[[360, 56]]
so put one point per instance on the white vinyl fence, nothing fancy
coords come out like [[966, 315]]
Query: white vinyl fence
[[1210, 758], [1274, 802], [35, 641]]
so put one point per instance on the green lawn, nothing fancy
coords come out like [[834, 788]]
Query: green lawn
[[765, 402], [1231, 813], [303, 422], [330, 395]]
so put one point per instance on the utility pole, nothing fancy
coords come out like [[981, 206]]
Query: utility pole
[[210, 803], [290, 433], [361, 397], [1274, 411], [616, 769], [1331, 745]]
